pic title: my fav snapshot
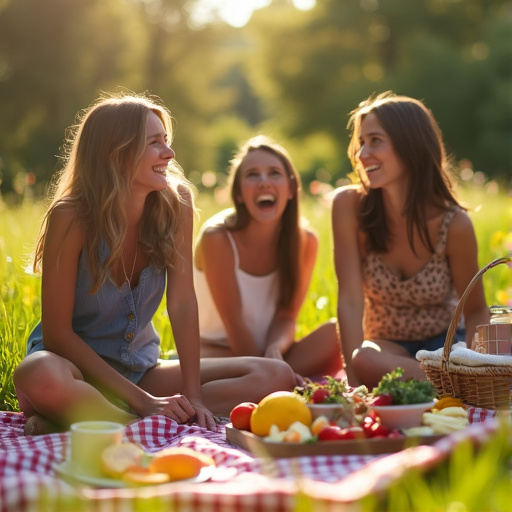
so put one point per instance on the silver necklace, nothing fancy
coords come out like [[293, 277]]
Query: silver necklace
[[129, 280]]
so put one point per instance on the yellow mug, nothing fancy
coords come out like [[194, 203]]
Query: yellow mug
[[88, 440]]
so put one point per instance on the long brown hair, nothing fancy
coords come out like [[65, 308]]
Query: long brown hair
[[100, 161], [418, 142], [288, 251]]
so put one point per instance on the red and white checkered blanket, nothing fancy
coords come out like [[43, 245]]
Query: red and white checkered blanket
[[241, 482]]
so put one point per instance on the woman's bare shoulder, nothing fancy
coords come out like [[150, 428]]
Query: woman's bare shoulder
[[346, 202], [309, 235], [347, 193], [212, 240], [65, 215], [461, 222], [65, 227]]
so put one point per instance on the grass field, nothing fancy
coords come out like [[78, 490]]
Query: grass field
[[469, 480], [20, 289]]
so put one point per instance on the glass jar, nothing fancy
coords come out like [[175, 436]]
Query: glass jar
[[501, 314]]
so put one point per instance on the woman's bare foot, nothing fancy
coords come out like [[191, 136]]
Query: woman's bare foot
[[37, 425]]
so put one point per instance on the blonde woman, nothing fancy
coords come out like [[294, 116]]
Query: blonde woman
[[117, 234], [253, 266]]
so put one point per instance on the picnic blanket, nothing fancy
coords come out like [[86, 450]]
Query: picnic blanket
[[241, 481]]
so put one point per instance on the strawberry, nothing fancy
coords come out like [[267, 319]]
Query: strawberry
[[320, 395]]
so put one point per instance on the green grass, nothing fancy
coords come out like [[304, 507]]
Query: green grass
[[468, 481], [20, 289]]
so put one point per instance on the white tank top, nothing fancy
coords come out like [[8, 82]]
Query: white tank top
[[259, 302]]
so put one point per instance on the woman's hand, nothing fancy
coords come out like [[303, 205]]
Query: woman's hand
[[203, 415], [273, 352], [175, 407], [180, 409]]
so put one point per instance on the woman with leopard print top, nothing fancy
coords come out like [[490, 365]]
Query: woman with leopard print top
[[404, 248]]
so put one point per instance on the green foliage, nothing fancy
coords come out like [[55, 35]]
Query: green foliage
[[453, 55], [456, 56], [19, 292]]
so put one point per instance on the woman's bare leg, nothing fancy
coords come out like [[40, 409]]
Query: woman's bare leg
[[376, 358], [226, 382], [53, 388], [319, 353]]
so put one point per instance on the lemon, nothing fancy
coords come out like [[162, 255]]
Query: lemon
[[281, 408]]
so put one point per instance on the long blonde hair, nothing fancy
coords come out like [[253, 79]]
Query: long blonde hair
[[100, 160]]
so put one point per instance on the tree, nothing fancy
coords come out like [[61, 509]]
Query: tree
[[320, 65], [55, 57]]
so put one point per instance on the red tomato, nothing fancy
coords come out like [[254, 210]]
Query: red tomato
[[379, 430], [384, 399], [319, 395], [374, 428], [240, 415], [334, 433]]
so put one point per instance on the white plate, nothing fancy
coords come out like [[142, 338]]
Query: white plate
[[67, 472]]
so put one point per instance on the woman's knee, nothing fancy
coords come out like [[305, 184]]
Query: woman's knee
[[277, 373], [44, 373], [365, 361]]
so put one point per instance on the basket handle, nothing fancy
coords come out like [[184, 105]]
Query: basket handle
[[450, 335]]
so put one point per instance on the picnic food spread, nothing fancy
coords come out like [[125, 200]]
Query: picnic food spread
[[285, 417]]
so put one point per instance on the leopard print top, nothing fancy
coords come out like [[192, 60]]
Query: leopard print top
[[413, 309]]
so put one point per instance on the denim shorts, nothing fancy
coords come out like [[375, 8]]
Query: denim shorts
[[430, 344], [133, 376]]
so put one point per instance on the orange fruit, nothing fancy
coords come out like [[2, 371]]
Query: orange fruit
[[179, 463], [281, 408], [116, 459]]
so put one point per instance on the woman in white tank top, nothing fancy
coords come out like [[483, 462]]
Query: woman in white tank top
[[253, 266]]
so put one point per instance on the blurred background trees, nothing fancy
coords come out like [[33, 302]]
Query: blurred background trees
[[292, 74]]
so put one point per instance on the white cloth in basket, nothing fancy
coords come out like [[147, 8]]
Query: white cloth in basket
[[462, 355]]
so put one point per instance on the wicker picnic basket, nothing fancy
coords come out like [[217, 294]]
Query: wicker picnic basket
[[485, 386]]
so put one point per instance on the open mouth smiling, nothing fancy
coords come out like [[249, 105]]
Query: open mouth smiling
[[266, 201], [160, 170]]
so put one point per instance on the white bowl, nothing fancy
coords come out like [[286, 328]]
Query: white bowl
[[401, 416], [330, 411]]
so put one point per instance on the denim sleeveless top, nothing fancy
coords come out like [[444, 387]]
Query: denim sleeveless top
[[116, 322]]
